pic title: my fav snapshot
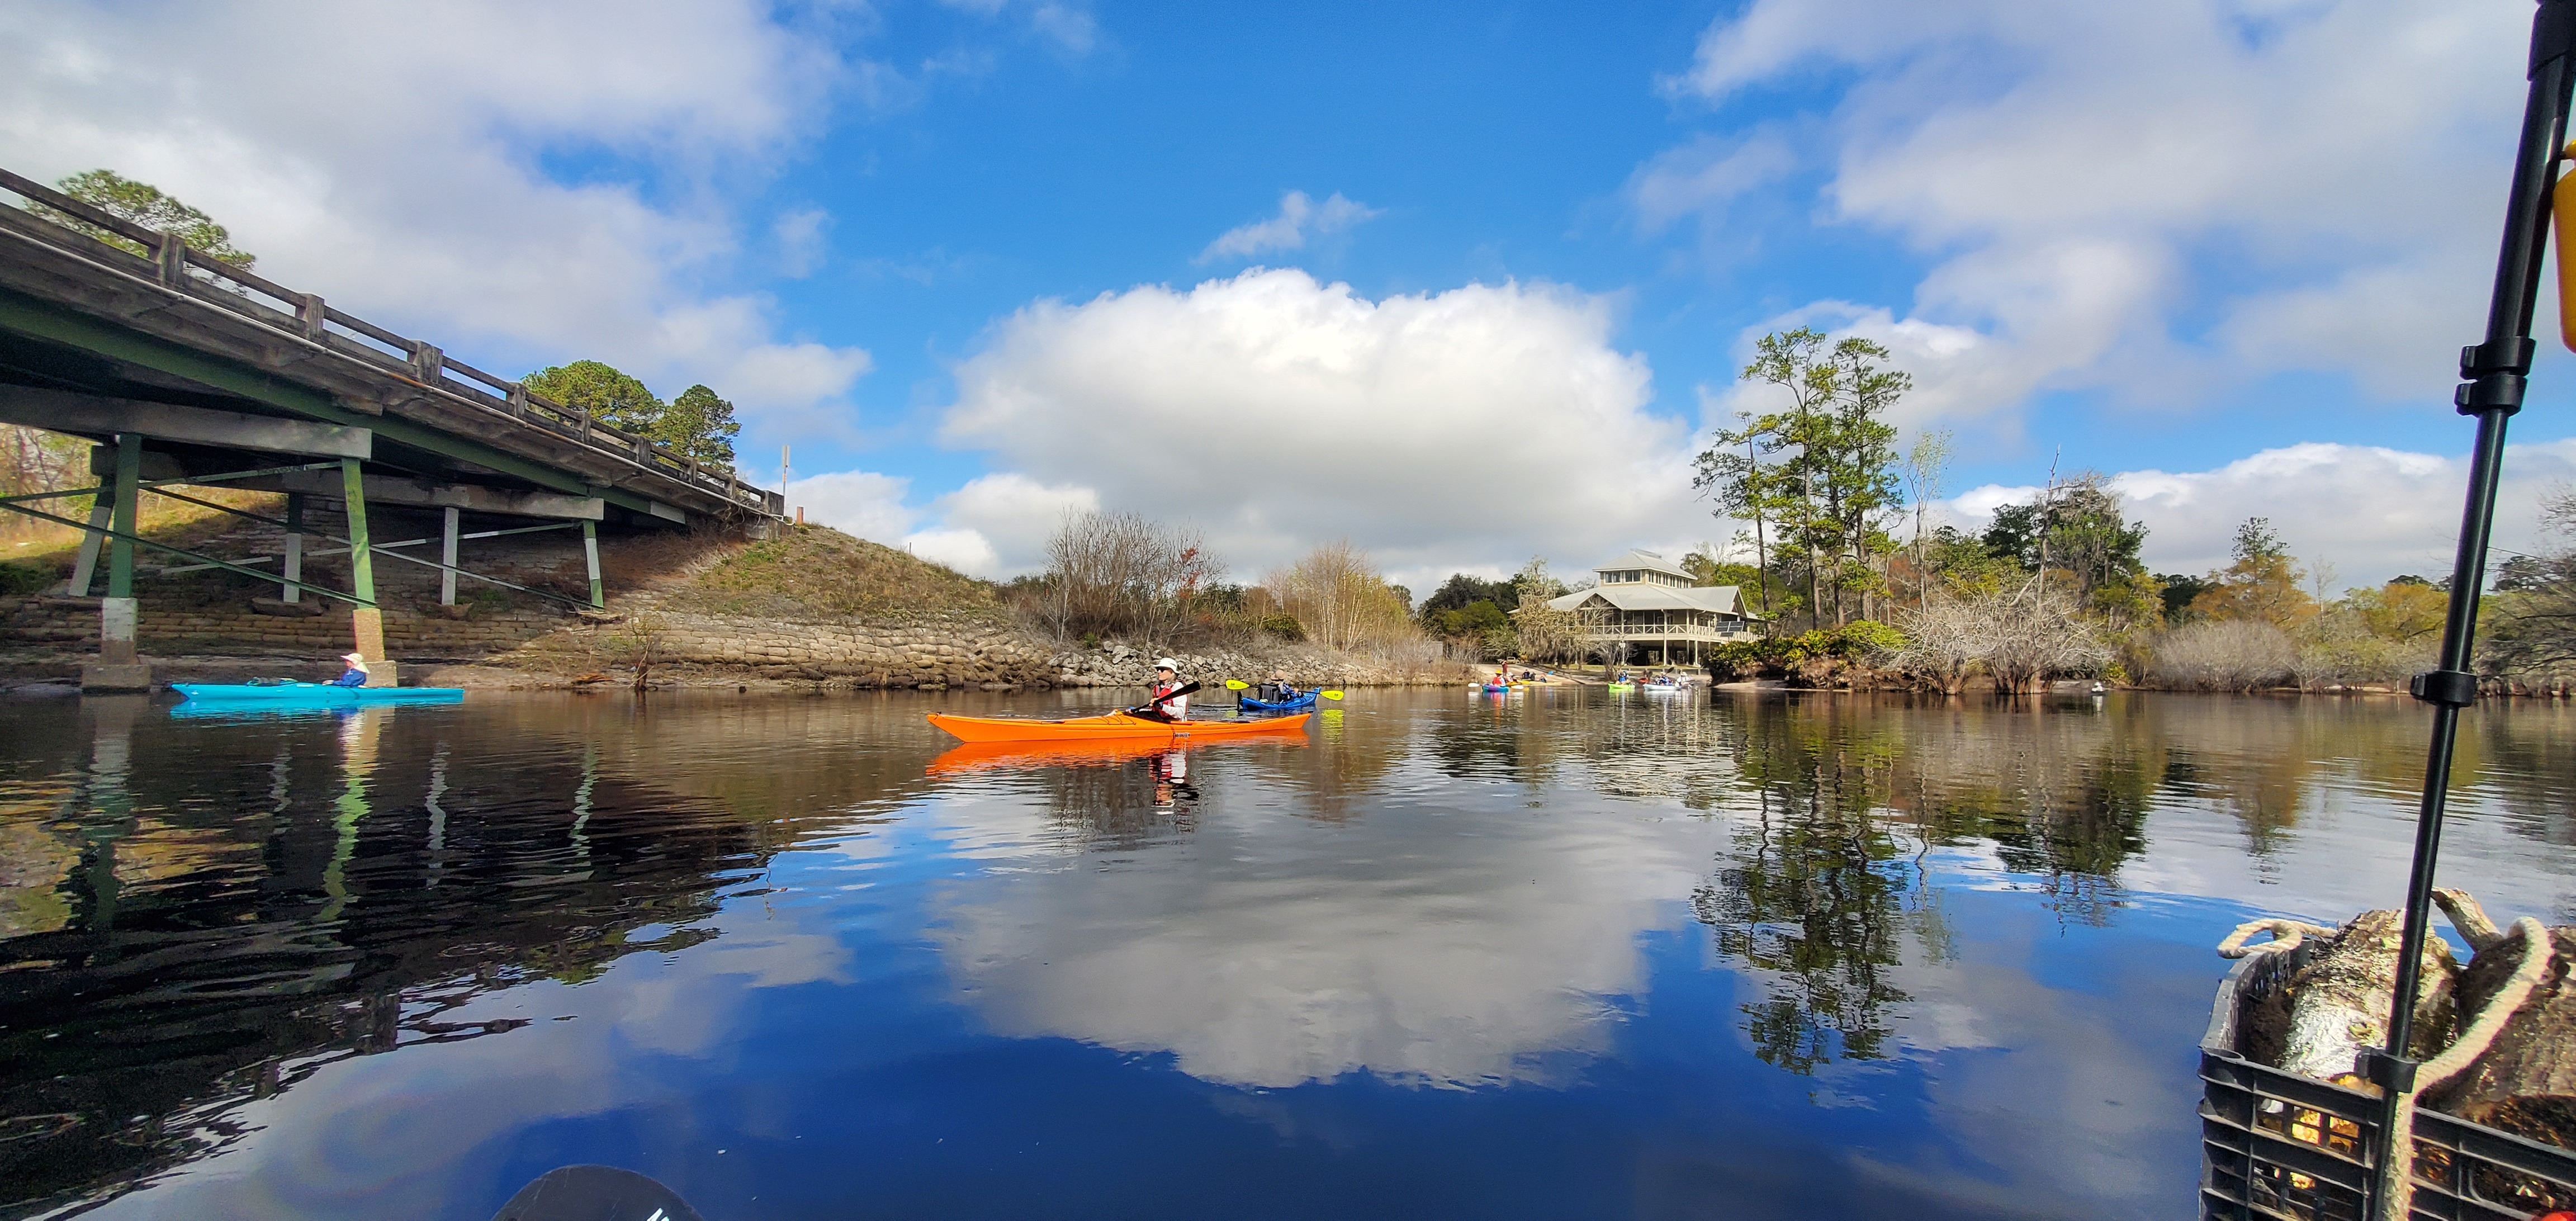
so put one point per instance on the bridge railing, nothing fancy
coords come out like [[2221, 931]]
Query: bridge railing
[[203, 277]]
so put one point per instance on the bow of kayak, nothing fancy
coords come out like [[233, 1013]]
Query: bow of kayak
[[1103, 728]]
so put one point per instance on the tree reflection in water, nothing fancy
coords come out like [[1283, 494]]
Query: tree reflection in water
[[1826, 881], [1813, 899]]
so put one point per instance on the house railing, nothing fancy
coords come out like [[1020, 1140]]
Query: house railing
[[1678, 631], [208, 279]]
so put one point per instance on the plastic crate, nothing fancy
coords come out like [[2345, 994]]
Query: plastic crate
[[2279, 1145]]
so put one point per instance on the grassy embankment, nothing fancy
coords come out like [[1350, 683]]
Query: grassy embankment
[[811, 573]]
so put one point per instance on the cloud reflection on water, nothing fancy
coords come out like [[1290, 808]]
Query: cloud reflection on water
[[1415, 944]]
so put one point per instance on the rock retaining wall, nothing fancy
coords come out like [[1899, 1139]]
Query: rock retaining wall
[[72, 623], [931, 652]]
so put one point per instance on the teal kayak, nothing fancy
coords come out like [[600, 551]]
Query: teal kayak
[[313, 695]]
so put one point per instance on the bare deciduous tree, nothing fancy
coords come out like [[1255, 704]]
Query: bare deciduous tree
[[1944, 638], [2040, 630], [2021, 635], [33, 460], [1342, 600], [1121, 574], [1551, 635], [2532, 632]]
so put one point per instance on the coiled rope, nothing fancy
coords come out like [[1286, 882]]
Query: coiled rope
[[2397, 1178], [2286, 936]]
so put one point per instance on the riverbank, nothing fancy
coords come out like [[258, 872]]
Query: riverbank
[[811, 609]]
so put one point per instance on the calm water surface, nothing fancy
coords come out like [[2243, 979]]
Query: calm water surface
[[1549, 955]]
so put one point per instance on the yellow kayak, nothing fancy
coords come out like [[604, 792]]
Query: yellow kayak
[[1116, 725]]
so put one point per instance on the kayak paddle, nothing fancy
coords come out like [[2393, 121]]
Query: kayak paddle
[[1183, 689], [1236, 684]]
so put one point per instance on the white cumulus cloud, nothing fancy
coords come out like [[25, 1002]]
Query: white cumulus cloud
[[2144, 197], [994, 526], [998, 524], [1298, 219], [2367, 512], [392, 158], [1466, 428], [864, 503]]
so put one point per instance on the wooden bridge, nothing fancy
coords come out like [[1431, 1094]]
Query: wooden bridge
[[190, 371]]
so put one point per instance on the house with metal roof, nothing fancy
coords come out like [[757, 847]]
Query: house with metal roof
[[1643, 601]]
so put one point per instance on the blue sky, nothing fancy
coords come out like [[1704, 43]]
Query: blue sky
[[1462, 283]]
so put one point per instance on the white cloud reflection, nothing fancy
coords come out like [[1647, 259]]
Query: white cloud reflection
[[1406, 944]]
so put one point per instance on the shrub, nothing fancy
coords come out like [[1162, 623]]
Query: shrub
[[2225, 655], [1861, 640], [2021, 635], [17, 578], [1119, 574]]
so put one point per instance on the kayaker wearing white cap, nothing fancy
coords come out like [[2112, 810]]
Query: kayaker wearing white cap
[[355, 675], [1170, 703]]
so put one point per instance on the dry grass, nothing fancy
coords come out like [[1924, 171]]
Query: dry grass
[[48, 550], [818, 573]]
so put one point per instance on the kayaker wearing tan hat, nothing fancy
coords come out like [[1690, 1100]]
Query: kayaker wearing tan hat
[[355, 675]]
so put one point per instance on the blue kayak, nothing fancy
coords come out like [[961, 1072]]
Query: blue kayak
[[313, 695], [1252, 704]]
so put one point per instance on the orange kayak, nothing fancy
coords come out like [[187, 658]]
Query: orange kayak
[[1102, 728], [1103, 752]]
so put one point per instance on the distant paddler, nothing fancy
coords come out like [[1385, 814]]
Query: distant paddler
[[356, 675]]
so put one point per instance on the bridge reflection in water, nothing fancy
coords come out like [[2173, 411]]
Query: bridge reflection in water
[[202, 913]]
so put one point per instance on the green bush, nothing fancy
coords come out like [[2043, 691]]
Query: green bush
[[1284, 627], [1851, 642], [23, 578]]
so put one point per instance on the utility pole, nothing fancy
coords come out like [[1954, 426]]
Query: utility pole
[[2493, 376]]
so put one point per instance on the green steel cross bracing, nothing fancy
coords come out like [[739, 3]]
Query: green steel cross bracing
[[266, 578], [229, 476], [81, 331], [66, 492], [293, 525]]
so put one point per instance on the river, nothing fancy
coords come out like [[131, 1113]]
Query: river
[[1559, 954]]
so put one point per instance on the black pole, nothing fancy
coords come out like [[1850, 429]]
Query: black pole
[[2494, 373]]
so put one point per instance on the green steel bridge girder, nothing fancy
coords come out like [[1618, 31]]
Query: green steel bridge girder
[[81, 331]]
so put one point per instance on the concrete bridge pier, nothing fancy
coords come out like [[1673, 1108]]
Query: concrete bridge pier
[[117, 668], [367, 620], [292, 562]]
